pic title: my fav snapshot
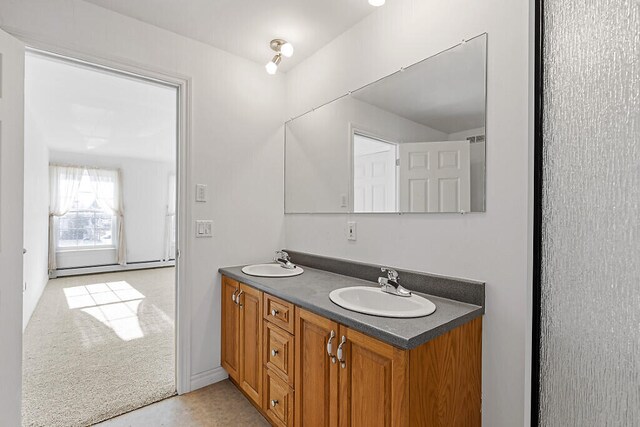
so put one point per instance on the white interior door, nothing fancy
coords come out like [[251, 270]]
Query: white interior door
[[374, 180], [435, 176], [11, 189]]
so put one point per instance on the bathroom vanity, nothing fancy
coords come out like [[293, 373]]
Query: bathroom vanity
[[303, 360]]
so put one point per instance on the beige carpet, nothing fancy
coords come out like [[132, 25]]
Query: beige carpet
[[98, 346]]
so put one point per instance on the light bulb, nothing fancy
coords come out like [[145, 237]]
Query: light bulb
[[287, 49], [271, 67], [376, 2]]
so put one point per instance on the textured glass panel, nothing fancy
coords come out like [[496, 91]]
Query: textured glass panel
[[590, 356]]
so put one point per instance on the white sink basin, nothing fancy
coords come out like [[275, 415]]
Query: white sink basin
[[370, 300], [271, 270]]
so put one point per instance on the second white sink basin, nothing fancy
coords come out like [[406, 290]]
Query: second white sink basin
[[370, 300], [271, 270]]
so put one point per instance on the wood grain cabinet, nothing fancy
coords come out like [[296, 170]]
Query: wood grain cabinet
[[279, 361], [316, 400], [302, 369], [230, 354], [373, 382], [345, 378], [242, 336]]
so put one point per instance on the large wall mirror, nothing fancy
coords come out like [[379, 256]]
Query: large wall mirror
[[413, 141]]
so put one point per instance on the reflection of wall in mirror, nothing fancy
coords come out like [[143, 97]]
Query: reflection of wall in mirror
[[317, 151], [478, 165]]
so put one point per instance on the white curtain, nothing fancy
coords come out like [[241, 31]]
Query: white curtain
[[64, 182], [170, 217], [107, 186]]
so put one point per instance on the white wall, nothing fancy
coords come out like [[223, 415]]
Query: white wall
[[145, 189], [11, 230], [491, 246], [36, 215], [236, 142]]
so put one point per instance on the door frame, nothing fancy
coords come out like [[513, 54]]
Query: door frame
[[357, 129], [183, 83], [538, 164]]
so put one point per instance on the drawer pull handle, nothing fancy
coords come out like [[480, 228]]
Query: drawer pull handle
[[233, 296], [238, 299], [274, 403], [274, 352], [343, 362], [332, 335], [274, 312]]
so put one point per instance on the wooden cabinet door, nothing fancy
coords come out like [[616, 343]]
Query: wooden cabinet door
[[374, 387], [230, 353], [250, 305], [316, 377]]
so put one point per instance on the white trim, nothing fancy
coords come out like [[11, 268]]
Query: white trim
[[209, 377], [183, 220], [184, 84], [112, 268]]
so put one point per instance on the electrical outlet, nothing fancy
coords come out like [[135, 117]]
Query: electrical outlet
[[351, 231], [204, 228]]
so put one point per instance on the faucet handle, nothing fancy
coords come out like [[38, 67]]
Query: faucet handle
[[282, 254], [391, 273]]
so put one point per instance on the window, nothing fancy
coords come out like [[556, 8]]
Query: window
[[90, 222]]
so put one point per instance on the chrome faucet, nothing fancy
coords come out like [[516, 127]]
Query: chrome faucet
[[282, 258], [390, 283]]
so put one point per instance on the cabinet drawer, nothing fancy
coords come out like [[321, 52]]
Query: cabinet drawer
[[278, 400], [279, 312], [278, 351]]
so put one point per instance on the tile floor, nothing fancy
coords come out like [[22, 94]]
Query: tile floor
[[217, 405]]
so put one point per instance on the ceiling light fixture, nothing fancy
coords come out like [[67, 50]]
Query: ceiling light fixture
[[282, 48], [376, 3]]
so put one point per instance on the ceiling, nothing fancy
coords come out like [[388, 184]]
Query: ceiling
[[445, 92], [245, 27], [85, 110]]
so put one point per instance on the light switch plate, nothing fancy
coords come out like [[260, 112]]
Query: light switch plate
[[201, 193], [351, 231], [204, 228]]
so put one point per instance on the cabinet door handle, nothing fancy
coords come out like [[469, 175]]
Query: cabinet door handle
[[343, 362], [274, 403], [274, 352], [233, 296], [332, 335], [238, 299], [274, 312]]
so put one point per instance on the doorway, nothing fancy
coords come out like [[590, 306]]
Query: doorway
[[374, 174], [100, 274]]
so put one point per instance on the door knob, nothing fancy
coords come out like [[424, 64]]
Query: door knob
[[274, 403], [274, 312], [274, 352]]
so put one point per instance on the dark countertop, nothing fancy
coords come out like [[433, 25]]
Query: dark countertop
[[311, 289]]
